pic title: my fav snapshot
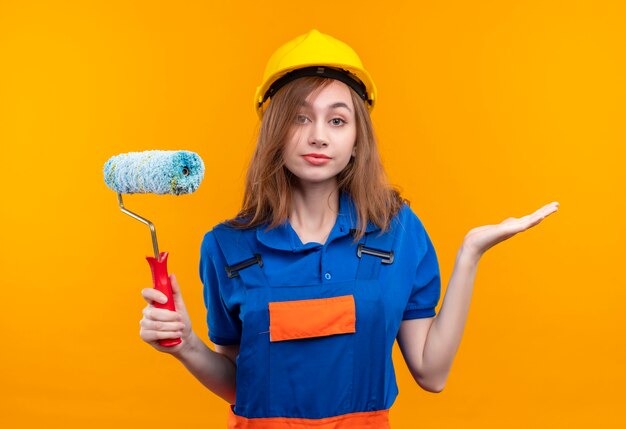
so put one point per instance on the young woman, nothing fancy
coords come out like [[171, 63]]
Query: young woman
[[325, 266]]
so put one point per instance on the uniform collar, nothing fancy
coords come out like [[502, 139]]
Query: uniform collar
[[283, 237]]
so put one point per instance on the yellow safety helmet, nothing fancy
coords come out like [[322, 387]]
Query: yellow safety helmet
[[315, 54]]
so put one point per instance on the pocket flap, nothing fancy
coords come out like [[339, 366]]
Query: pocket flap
[[291, 320]]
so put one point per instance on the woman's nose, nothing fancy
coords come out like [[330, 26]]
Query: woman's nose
[[318, 136]]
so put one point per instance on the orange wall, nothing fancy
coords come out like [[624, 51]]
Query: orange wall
[[487, 109]]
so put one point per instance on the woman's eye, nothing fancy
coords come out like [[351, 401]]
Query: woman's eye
[[301, 119], [337, 121]]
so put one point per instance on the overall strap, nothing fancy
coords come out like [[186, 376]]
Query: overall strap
[[241, 255], [374, 252]]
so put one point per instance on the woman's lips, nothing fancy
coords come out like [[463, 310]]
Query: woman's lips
[[316, 158]]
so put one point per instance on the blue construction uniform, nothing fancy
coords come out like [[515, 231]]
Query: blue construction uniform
[[395, 277]]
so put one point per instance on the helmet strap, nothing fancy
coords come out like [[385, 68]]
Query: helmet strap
[[319, 71]]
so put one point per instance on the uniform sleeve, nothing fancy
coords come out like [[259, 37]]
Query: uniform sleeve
[[222, 319], [427, 283]]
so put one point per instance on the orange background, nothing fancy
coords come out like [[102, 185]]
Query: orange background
[[487, 109]]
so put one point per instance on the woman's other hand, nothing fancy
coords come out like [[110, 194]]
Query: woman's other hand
[[482, 238], [159, 323]]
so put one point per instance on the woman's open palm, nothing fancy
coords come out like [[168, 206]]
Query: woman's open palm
[[482, 238]]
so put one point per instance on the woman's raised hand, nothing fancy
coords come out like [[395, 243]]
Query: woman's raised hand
[[482, 238], [159, 323]]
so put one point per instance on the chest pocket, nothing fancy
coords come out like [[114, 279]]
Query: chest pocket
[[300, 345], [309, 318]]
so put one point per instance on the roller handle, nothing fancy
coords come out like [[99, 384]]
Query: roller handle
[[162, 283]]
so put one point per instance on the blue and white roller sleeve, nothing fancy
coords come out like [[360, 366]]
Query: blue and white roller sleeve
[[154, 172]]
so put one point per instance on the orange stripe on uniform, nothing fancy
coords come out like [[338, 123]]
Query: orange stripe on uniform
[[309, 318], [365, 420]]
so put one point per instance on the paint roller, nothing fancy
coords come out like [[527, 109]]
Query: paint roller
[[155, 172]]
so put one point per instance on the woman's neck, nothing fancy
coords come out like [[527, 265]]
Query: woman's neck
[[314, 211]]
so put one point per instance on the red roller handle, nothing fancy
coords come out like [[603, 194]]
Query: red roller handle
[[161, 281]]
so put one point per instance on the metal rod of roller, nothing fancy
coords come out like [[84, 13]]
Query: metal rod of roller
[[155, 244]]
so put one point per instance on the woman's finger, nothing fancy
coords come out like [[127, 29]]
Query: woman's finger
[[161, 314], [152, 336], [156, 325], [178, 298], [536, 217], [152, 295], [545, 210]]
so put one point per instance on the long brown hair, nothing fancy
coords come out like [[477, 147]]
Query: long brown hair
[[267, 196]]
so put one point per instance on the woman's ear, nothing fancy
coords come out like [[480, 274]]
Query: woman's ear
[[353, 151]]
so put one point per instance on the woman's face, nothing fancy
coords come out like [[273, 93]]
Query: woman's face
[[322, 138]]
